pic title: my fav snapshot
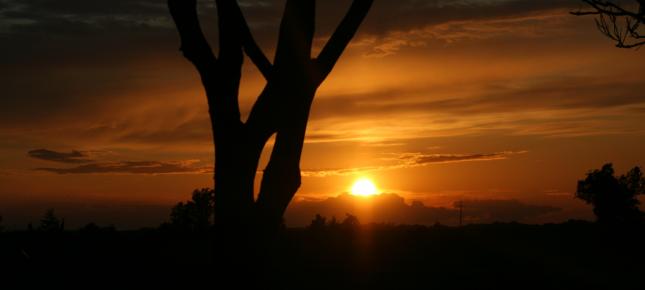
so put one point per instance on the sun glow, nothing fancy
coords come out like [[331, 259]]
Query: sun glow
[[364, 187]]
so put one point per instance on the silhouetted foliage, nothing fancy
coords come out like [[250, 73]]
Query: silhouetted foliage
[[1, 227], [196, 214], [350, 222], [51, 223], [92, 228], [333, 223], [318, 223], [621, 21], [614, 199]]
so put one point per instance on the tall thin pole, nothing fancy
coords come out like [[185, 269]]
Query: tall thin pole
[[461, 212]]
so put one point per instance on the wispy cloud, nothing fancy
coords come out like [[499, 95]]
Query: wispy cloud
[[413, 159], [72, 157], [396, 160], [409, 160], [96, 166], [134, 167], [546, 23]]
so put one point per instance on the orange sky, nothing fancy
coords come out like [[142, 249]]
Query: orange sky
[[476, 100]]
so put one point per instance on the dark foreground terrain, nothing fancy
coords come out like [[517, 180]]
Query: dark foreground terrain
[[573, 255]]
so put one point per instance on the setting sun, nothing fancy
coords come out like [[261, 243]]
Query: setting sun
[[364, 187]]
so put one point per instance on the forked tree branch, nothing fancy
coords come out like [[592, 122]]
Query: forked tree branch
[[334, 48], [230, 39], [249, 45], [617, 22], [296, 34], [608, 7], [193, 43], [282, 108], [282, 176]]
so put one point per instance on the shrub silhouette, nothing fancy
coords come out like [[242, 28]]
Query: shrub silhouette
[[350, 222], [196, 214], [318, 223], [614, 200], [92, 228], [51, 223]]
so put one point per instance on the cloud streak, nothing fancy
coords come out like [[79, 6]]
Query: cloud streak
[[73, 157], [397, 160], [134, 167], [420, 159], [92, 166], [544, 23], [410, 160]]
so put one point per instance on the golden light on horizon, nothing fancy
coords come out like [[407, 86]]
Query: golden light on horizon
[[364, 187]]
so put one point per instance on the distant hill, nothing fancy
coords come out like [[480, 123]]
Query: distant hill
[[392, 208]]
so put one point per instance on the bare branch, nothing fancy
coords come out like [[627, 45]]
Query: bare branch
[[583, 13], [232, 10], [617, 22], [193, 43], [230, 40], [342, 36], [296, 33]]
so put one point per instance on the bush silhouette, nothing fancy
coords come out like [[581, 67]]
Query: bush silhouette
[[51, 223], [196, 214], [350, 222], [614, 199], [318, 223], [92, 228]]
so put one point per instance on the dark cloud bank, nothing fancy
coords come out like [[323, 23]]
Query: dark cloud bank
[[114, 167], [73, 157], [391, 208]]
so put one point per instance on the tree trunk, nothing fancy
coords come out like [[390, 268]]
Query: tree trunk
[[247, 226]]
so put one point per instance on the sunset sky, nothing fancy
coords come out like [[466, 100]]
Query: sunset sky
[[502, 103]]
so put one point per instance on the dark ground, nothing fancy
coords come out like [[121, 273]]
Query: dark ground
[[574, 255]]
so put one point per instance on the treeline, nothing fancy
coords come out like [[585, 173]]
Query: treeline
[[614, 200], [51, 223]]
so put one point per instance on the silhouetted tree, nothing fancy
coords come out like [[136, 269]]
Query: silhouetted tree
[[1, 227], [196, 214], [350, 222], [50, 222], [622, 21], [282, 108], [92, 228], [318, 223], [333, 223], [614, 200]]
